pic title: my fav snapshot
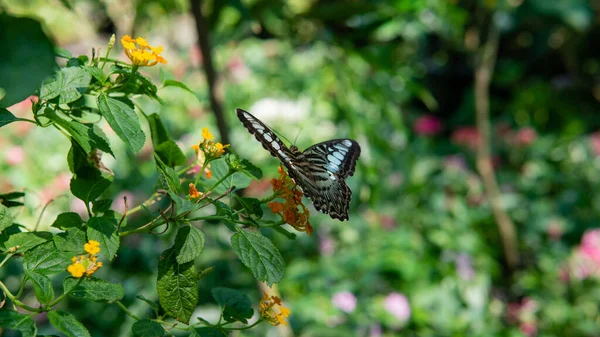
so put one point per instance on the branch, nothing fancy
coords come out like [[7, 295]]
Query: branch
[[209, 69], [483, 74]]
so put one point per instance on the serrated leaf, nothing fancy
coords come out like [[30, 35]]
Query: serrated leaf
[[68, 85], [251, 170], [177, 286], [6, 117], [27, 240], [260, 255], [220, 169], [6, 233], [101, 205], [67, 324], [169, 174], [104, 230], [15, 321], [70, 241], [147, 328], [46, 259], [96, 73], [208, 332], [189, 243], [170, 153], [93, 289], [252, 205], [88, 136], [182, 205], [42, 287], [89, 189], [236, 305], [5, 218], [123, 120], [67, 220]]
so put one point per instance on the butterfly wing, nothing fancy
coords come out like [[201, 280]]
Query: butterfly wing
[[266, 137], [321, 169]]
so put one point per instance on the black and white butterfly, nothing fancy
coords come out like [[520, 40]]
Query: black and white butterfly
[[320, 170]]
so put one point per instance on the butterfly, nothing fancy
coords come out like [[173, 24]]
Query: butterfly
[[320, 170]]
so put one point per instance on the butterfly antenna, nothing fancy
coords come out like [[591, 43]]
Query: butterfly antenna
[[298, 134]]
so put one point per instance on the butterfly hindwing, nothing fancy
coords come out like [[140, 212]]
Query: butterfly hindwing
[[320, 170]]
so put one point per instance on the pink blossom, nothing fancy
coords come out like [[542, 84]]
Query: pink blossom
[[427, 125], [345, 300], [14, 155], [528, 328], [590, 245], [467, 136], [595, 143], [397, 305], [525, 136]]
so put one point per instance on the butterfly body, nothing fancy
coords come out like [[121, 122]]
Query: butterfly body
[[320, 170]]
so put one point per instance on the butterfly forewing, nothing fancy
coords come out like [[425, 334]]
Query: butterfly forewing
[[319, 170]]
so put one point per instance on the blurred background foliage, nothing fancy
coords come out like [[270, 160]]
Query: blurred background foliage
[[421, 255]]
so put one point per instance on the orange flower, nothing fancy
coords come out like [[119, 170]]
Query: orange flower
[[292, 210], [194, 192], [141, 53], [268, 313], [83, 264], [210, 149]]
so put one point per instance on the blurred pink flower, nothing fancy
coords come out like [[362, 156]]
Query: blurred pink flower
[[524, 314], [455, 161], [467, 136], [595, 143], [14, 155], [397, 305], [375, 330], [528, 328], [60, 185], [427, 125], [525, 136], [345, 300], [590, 245], [326, 245], [238, 69], [388, 222]]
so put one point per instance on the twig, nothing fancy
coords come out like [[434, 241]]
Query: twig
[[209, 69], [483, 75]]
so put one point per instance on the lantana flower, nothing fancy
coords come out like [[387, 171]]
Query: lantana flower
[[211, 149], [86, 264], [141, 53], [268, 313], [194, 193], [291, 210]]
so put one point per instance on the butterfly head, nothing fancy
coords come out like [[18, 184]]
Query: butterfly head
[[294, 150]]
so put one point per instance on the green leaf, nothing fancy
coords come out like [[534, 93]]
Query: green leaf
[[96, 73], [104, 230], [89, 136], [250, 170], [158, 131], [208, 332], [70, 241], [147, 328], [46, 259], [173, 83], [27, 58], [169, 174], [182, 205], [170, 153], [5, 218], [67, 324], [260, 255], [15, 321], [68, 85], [220, 168], [6, 117], [101, 205], [89, 189], [188, 244], [67, 220], [93, 289], [42, 286], [62, 53], [177, 286], [152, 304], [123, 120], [236, 306], [252, 205], [6, 233], [27, 240]]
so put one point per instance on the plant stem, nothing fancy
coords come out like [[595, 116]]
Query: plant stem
[[126, 310]]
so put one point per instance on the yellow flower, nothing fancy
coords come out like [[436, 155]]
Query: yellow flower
[[207, 135], [210, 149], [194, 192], [92, 247], [83, 264], [141, 53], [292, 210], [268, 313]]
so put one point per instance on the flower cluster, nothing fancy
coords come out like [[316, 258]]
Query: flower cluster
[[267, 310], [207, 151], [194, 193], [86, 264], [292, 210], [141, 53]]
